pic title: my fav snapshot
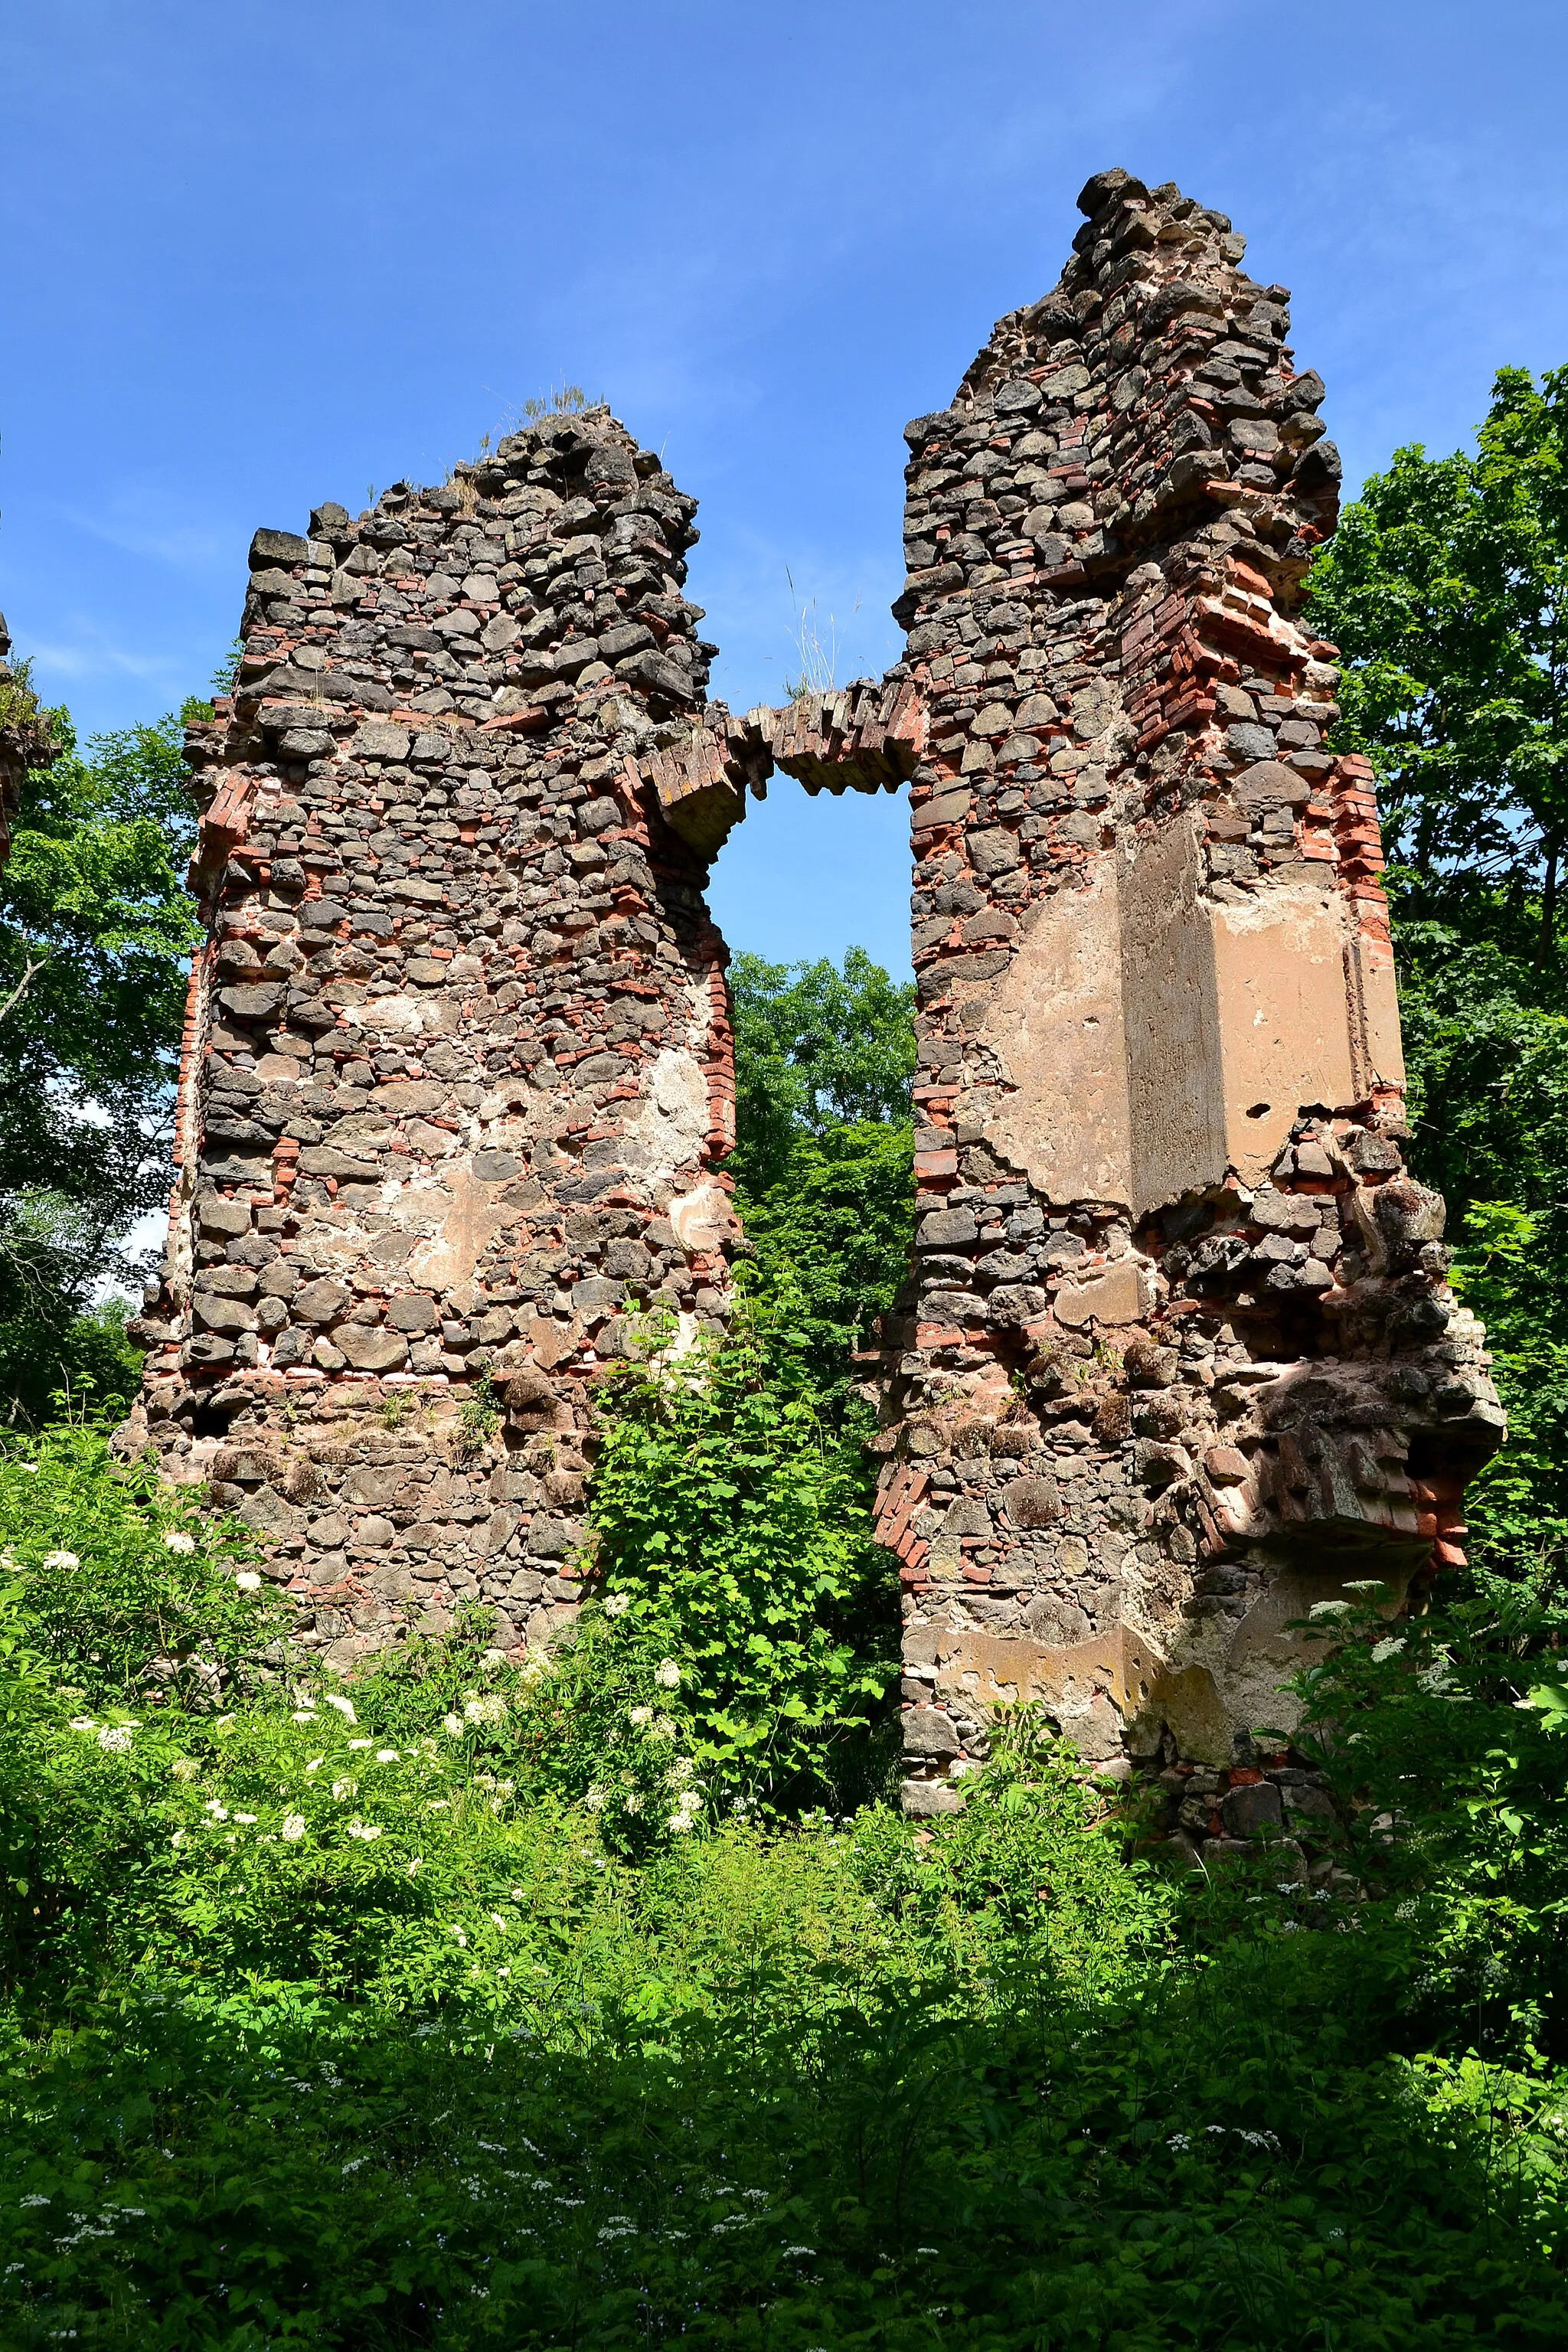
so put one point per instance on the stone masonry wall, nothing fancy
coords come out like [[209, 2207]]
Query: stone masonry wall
[[457, 1073], [1177, 1359]]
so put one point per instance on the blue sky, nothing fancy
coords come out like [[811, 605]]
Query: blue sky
[[257, 256]]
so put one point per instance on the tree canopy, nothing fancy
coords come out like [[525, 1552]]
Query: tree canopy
[[1446, 591], [96, 933]]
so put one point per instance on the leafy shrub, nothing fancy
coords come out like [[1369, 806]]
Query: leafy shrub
[[734, 1547], [128, 1588]]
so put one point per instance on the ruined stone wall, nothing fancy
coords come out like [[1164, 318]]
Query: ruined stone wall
[[1178, 1358], [457, 1072]]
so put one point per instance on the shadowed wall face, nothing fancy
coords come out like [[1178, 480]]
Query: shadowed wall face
[[1180, 1358]]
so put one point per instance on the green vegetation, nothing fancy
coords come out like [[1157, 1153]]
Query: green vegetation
[[331, 2019], [1446, 589], [95, 935], [602, 2000]]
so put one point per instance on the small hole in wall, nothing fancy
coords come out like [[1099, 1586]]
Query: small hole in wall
[[1258, 1111]]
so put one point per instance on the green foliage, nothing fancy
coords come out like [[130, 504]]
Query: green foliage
[[479, 1417], [730, 1533], [95, 934], [1447, 589], [835, 1235], [20, 710], [1442, 1736], [331, 2021], [128, 1588], [814, 1047]]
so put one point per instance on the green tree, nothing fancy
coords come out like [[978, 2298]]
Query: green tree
[[824, 1163], [1446, 589], [96, 932], [816, 1047]]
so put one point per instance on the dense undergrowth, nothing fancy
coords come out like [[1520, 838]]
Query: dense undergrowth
[[344, 2015]]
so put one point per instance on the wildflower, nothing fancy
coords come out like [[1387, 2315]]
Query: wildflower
[[219, 1813], [185, 1767], [681, 1769], [248, 1581], [115, 1738], [354, 2163], [248, 1819], [663, 1727], [343, 1706], [293, 1828], [639, 1716], [176, 1539], [494, 1660], [452, 1726], [616, 1603], [366, 1829], [1328, 1609], [633, 1803], [595, 1800], [61, 1559], [385, 1755], [1180, 2142], [306, 1714], [1389, 1649], [315, 1765], [84, 1723], [501, 1923], [35, 2200], [458, 1936], [488, 1709], [667, 1674], [345, 1788], [354, 1744], [680, 1820], [416, 1865]]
